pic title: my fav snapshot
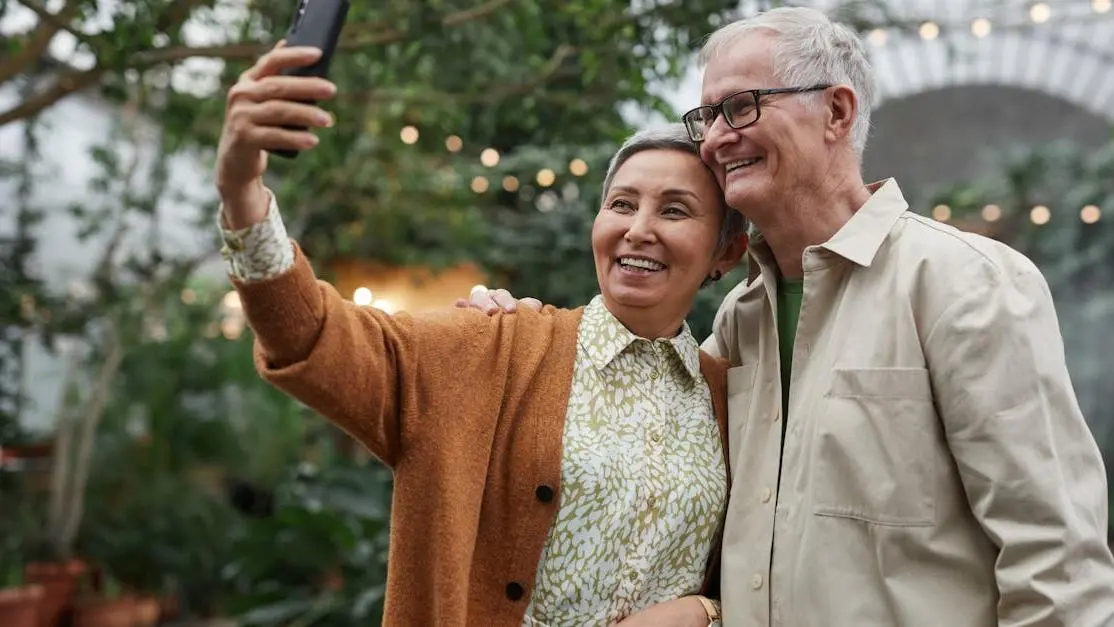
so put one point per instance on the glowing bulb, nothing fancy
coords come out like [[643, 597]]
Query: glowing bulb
[[479, 184], [942, 213], [362, 296], [489, 157], [189, 297], [1040, 215], [878, 37], [929, 31], [1090, 214], [991, 213], [231, 300], [408, 134], [578, 167], [980, 27], [1100, 6], [385, 305], [510, 183], [546, 177], [1039, 13], [453, 143]]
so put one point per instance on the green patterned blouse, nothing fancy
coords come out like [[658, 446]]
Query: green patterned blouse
[[643, 484]]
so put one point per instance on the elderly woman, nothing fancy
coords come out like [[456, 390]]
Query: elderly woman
[[562, 467]]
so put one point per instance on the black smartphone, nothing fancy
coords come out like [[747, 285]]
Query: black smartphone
[[316, 23]]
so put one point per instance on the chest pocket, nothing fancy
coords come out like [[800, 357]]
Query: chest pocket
[[876, 447]]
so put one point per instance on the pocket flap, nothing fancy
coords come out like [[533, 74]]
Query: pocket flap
[[881, 383]]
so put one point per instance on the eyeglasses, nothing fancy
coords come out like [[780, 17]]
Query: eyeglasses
[[740, 110]]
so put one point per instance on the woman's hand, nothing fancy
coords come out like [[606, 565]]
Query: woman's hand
[[682, 612], [259, 105]]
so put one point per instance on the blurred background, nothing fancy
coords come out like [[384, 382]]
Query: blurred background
[[148, 476]]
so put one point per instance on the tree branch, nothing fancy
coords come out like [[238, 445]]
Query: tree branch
[[487, 93], [74, 80], [67, 83], [39, 39], [353, 39]]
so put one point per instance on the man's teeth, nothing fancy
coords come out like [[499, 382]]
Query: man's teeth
[[638, 262], [742, 163]]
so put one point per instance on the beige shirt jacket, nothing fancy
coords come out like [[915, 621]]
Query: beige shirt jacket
[[937, 470]]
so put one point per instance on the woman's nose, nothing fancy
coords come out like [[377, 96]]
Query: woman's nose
[[641, 229]]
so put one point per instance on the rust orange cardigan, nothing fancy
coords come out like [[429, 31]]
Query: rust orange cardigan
[[467, 409]]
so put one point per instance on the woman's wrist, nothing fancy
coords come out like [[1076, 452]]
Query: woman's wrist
[[711, 608]]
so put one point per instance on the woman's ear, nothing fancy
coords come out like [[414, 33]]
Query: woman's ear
[[731, 254]]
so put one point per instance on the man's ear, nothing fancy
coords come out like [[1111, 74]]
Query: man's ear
[[732, 254], [843, 105]]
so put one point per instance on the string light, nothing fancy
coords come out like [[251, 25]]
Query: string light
[[1100, 6], [362, 296], [578, 167], [1039, 13], [231, 328], [1040, 215], [929, 31], [453, 143], [878, 37], [408, 134], [943, 213], [980, 27], [510, 183], [189, 297], [991, 213], [231, 300], [546, 177], [479, 184], [489, 157], [383, 304], [1090, 214]]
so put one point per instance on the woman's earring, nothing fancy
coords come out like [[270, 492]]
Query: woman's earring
[[715, 276]]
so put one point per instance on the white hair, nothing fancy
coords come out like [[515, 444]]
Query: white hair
[[810, 50]]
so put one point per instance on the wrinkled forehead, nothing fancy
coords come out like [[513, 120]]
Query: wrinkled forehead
[[744, 63]]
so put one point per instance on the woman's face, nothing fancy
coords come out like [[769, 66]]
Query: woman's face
[[654, 239]]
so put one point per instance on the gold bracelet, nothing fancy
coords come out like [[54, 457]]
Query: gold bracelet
[[711, 608]]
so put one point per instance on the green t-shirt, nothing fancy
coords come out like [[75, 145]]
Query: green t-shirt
[[789, 293]]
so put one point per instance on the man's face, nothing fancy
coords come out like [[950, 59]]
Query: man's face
[[783, 152]]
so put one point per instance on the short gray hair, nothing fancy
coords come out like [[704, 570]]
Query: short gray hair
[[674, 137], [810, 50]]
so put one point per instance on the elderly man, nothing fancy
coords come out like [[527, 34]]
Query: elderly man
[[906, 445]]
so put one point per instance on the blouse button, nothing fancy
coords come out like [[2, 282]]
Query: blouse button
[[514, 591]]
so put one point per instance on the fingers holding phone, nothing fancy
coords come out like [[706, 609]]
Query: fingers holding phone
[[268, 109]]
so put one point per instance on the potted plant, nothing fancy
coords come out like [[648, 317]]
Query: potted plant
[[103, 602], [81, 406], [19, 600]]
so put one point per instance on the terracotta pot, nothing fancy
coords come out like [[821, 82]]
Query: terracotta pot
[[19, 607], [94, 612], [169, 606], [59, 580], [146, 611]]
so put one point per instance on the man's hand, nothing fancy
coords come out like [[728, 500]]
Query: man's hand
[[259, 105], [492, 301], [682, 612]]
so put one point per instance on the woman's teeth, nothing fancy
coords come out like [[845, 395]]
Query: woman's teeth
[[641, 263]]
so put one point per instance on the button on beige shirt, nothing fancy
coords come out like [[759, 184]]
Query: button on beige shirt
[[937, 471]]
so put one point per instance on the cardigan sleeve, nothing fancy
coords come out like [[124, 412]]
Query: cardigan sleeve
[[358, 367]]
